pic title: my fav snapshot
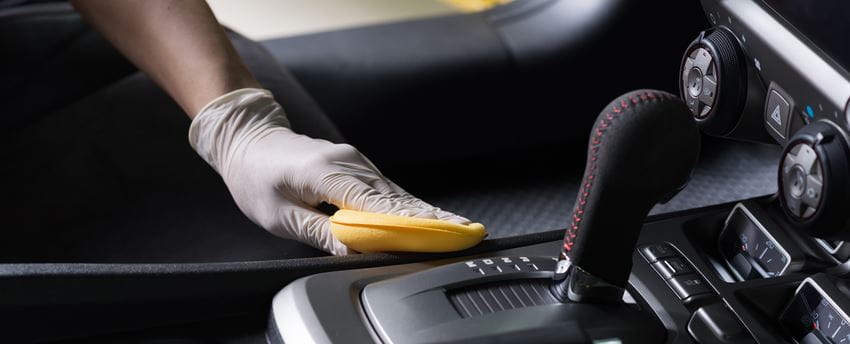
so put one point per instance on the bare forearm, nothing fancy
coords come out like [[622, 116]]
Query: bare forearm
[[178, 43]]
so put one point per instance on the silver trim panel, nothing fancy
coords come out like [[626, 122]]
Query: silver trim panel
[[295, 318]]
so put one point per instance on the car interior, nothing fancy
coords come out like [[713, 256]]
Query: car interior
[[712, 198]]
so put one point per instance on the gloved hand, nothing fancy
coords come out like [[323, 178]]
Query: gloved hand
[[278, 177]]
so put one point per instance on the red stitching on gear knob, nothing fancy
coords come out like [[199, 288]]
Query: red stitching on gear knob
[[595, 142]]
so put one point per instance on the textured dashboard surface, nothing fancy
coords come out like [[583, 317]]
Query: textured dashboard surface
[[727, 171]]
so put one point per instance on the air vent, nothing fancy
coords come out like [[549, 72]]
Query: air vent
[[501, 296]]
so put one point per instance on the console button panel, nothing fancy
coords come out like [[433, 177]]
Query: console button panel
[[676, 271]]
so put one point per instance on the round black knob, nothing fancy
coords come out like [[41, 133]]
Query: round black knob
[[714, 81], [641, 151], [813, 181]]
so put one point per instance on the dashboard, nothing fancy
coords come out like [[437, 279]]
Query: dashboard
[[766, 270], [779, 67]]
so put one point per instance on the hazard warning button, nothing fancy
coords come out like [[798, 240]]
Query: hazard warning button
[[777, 112]]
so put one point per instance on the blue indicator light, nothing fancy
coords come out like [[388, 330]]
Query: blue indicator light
[[810, 111]]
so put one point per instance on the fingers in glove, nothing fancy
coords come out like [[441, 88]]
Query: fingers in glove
[[309, 226], [407, 198], [390, 198], [347, 192]]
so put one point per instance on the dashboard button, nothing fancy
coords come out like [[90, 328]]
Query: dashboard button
[[669, 268], [716, 324], [654, 252], [689, 285], [777, 112]]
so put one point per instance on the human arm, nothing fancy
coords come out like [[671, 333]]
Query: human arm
[[276, 176], [178, 43]]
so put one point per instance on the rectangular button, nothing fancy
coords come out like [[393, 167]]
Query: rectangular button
[[668, 268], [715, 323], [777, 112], [686, 286], [654, 252]]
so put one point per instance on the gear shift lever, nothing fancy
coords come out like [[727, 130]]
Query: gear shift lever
[[641, 151]]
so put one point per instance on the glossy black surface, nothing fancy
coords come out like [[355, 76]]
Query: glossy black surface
[[814, 20]]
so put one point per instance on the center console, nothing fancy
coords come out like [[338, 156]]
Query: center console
[[769, 270]]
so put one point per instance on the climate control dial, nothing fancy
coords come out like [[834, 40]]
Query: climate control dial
[[713, 81], [814, 181]]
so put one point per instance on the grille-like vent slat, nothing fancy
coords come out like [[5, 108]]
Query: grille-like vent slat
[[501, 296]]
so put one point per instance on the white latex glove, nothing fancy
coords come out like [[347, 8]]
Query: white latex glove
[[278, 177]]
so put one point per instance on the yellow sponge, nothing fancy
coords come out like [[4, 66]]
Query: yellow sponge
[[372, 232]]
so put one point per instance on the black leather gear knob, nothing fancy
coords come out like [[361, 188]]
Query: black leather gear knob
[[641, 151]]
